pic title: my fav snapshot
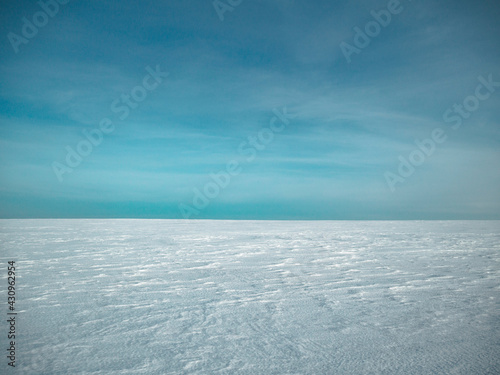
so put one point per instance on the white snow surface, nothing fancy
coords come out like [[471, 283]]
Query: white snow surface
[[253, 297]]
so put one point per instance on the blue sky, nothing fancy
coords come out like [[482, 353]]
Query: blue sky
[[351, 121]]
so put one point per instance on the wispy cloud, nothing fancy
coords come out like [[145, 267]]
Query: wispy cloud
[[225, 78]]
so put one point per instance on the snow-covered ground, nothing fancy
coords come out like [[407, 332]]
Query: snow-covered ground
[[253, 297]]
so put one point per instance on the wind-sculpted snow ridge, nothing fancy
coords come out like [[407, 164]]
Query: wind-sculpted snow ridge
[[254, 297]]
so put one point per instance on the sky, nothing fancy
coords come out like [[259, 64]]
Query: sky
[[264, 109]]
